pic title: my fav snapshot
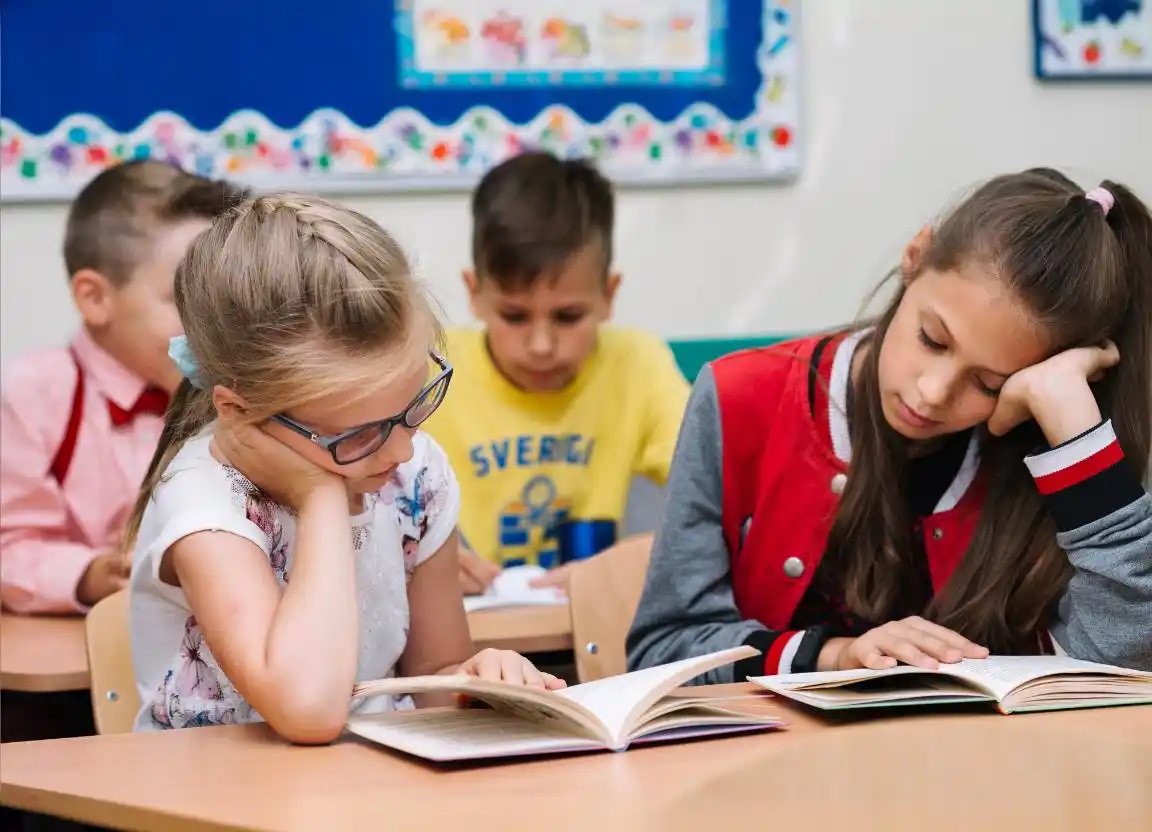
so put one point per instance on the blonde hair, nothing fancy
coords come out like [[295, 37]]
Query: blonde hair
[[285, 299]]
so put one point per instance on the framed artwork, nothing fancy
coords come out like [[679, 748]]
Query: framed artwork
[[367, 95], [1092, 39]]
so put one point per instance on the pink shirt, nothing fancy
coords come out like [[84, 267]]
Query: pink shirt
[[50, 531]]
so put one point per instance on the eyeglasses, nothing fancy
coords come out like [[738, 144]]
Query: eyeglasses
[[363, 441]]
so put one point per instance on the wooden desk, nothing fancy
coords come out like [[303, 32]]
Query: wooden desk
[[1059, 772], [45, 654], [523, 629], [40, 654]]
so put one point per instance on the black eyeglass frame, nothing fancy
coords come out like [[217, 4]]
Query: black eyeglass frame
[[383, 427]]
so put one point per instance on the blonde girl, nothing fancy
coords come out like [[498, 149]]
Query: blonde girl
[[296, 532]]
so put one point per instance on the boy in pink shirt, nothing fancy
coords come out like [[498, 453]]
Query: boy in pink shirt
[[79, 424]]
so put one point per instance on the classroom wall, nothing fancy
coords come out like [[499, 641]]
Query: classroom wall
[[908, 103]]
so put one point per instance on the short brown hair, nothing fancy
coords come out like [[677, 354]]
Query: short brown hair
[[113, 219], [532, 212]]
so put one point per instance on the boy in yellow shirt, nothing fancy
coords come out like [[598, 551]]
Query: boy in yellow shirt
[[551, 414]]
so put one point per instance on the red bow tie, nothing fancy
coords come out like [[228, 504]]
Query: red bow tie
[[153, 400]]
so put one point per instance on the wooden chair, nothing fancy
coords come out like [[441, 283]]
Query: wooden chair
[[604, 593], [114, 698]]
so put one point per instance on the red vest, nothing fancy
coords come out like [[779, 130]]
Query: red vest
[[782, 478]]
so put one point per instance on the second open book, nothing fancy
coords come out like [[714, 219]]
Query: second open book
[[609, 713], [1012, 683]]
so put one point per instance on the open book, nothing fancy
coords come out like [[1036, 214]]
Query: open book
[[608, 714], [510, 589], [1013, 683]]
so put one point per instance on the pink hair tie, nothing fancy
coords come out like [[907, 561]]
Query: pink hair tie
[[1102, 197]]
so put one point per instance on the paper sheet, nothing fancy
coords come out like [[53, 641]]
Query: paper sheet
[[511, 589]]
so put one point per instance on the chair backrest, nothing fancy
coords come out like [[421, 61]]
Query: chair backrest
[[115, 702], [604, 592]]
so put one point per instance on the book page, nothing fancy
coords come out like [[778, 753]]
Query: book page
[[529, 704], [706, 720], [1000, 675], [620, 701], [833, 690], [510, 589], [824, 679], [606, 709], [996, 676], [445, 734]]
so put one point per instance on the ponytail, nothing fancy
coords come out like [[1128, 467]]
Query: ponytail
[[1125, 394], [189, 412]]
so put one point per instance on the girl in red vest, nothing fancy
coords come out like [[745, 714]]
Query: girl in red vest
[[962, 475]]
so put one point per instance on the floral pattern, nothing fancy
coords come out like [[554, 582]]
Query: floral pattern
[[195, 692], [264, 513], [417, 499], [398, 529]]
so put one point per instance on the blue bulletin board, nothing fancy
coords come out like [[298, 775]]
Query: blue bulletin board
[[370, 95]]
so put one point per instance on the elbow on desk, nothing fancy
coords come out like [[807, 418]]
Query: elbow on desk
[[305, 722], [308, 729]]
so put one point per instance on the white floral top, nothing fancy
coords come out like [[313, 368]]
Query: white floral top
[[179, 681]]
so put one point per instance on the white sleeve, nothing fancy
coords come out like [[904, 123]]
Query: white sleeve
[[443, 496], [193, 496]]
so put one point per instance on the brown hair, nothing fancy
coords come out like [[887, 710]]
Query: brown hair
[[114, 217], [531, 213], [283, 300], [1085, 277]]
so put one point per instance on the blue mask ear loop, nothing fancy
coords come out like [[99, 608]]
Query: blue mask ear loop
[[181, 354]]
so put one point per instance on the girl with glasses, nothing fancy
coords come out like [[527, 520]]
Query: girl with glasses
[[296, 532]]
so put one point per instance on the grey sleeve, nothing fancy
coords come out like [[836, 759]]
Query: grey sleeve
[[1105, 614], [687, 608]]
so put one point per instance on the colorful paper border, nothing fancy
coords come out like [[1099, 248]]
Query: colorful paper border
[[406, 152]]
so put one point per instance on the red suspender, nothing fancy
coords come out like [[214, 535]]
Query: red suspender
[[63, 459]]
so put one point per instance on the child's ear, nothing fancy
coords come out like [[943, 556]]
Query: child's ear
[[94, 295], [472, 286], [229, 406], [611, 286], [913, 257], [470, 282]]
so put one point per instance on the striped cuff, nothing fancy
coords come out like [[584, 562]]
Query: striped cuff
[[1085, 478], [790, 651], [779, 658], [764, 641]]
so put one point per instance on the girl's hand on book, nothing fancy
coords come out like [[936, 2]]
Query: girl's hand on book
[[911, 640], [507, 666]]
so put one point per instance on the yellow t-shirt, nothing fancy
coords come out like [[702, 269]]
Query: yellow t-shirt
[[527, 461]]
